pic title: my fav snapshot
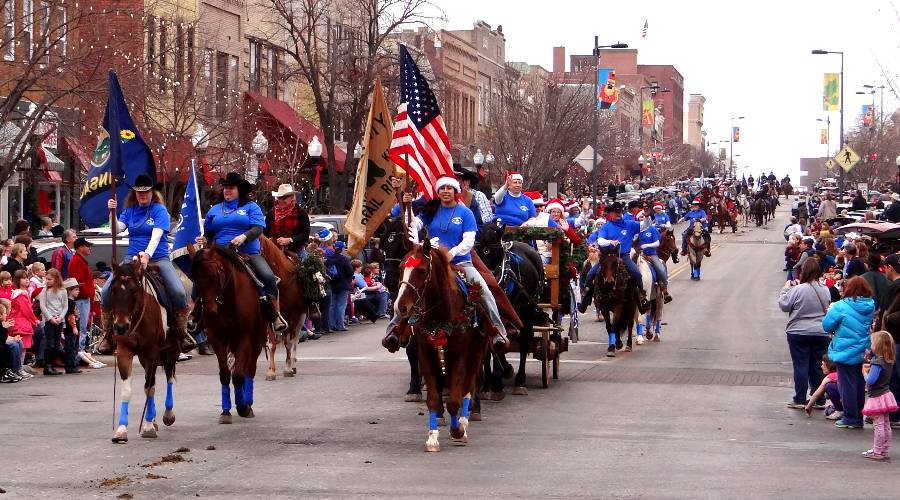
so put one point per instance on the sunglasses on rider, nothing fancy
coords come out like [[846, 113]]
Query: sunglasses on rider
[[285, 197]]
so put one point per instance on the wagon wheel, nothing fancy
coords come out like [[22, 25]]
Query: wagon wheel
[[545, 361]]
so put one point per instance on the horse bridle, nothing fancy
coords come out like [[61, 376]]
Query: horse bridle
[[220, 289], [420, 296], [135, 323]]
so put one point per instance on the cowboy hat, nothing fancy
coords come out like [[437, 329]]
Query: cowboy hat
[[613, 207], [234, 179], [466, 175], [283, 190], [142, 183], [70, 283]]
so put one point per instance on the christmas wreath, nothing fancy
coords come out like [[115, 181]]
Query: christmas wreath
[[569, 253], [313, 276]]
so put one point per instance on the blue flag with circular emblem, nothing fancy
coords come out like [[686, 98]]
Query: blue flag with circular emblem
[[120, 152]]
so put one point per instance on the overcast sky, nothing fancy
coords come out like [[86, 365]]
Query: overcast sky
[[747, 58]]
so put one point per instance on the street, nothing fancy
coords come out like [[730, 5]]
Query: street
[[702, 414]]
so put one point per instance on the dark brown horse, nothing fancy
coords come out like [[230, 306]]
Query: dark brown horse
[[139, 329], [293, 305], [615, 294], [448, 344], [234, 322], [668, 246]]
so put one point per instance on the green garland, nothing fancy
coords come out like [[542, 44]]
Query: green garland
[[568, 252], [307, 270]]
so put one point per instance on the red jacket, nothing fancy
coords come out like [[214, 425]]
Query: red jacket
[[22, 315], [81, 271]]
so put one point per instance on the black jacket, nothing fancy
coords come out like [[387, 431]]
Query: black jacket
[[341, 280], [890, 317], [892, 213], [859, 203], [855, 268]]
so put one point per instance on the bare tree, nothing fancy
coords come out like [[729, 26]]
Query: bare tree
[[338, 48], [878, 146]]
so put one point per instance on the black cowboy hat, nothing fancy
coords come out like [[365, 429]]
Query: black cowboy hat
[[613, 207], [465, 174], [142, 183], [234, 179], [635, 204]]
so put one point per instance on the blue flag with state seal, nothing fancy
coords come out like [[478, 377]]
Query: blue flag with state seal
[[189, 225], [120, 152]]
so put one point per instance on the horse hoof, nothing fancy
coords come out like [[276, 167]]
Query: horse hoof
[[429, 447], [442, 422], [475, 416], [413, 398], [149, 432], [650, 336], [498, 396], [169, 418], [520, 391], [287, 373], [628, 348], [270, 377], [431, 444], [225, 418], [619, 345], [656, 339], [244, 411], [611, 352], [640, 339], [121, 435], [460, 441]]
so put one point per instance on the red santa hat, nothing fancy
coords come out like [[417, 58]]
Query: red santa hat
[[658, 204], [554, 203], [512, 175], [536, 197], [447, 181], [573, 204], [696, 201]]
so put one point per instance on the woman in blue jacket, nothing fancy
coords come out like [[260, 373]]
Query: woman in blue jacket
[[850, 320]]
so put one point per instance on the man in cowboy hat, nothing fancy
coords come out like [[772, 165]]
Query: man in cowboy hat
[[287, 224], [471, 197]]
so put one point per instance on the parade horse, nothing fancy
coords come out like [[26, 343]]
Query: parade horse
[[786, 189], [696, 249], [139, 325], [650, 322], [745, 208], [760, 211], [617, 298], [771, 204], [668, 246], [293, 305], [235, 323], [449, 344], [719, 214], [520, 273]]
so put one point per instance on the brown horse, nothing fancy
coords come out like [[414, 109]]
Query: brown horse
[[234, 323], [139, 328], [617, 299], [447, 342], [293, 305], [697, 248], [668, 246]]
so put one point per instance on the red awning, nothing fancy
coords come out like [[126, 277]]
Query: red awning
[[300, 127], [52, 176], [78, 152]]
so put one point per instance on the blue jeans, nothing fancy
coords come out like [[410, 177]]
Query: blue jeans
[[265, 274], [381, 302], [806, 356], [16, 350], [629, 265], [662, 275], [168, 275], [84, 313], [337, 310], [853, 396]]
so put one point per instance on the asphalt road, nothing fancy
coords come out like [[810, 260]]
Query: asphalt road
[[701, 414]]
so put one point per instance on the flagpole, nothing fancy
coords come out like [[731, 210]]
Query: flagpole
[[113, 224]]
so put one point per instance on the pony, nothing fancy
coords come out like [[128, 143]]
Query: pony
[[234, 321], [139, 325], [520, 272], [293, 304], [668, 246], [449, 345], [617, 298], [697, 248], [650, 321]]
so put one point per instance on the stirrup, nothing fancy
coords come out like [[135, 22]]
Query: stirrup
[[279, 325]]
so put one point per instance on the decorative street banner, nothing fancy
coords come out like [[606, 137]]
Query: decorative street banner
[[608, 94], [824, 136], [868, 115], [647, 117], [373, 195], [736, 134], [831, 98], [120, 152]]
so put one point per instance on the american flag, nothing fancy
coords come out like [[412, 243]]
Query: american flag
[[419, 144], [644, 32]]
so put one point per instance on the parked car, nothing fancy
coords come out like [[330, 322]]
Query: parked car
[[102, 250], [334, 222]]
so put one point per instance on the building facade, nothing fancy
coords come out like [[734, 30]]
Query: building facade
[[490, 45], [695, 134], [672, 103]]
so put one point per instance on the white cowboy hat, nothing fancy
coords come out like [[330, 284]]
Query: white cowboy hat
[[283, 190]]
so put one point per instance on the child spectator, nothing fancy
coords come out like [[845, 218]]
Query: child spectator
[[12, 349], [363, 306], [792, 255], [36, 283], [22, 312], [6, 288], [71, 332], [879, 398], [828, 388], [376, 289], [53, 303]]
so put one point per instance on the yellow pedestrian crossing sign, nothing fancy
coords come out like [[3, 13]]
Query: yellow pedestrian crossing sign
[[830, 163], [847, 158]]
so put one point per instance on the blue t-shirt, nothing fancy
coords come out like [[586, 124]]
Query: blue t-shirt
[[227, 220], [622, 230], [649, 235], [141, 221], [449, 224], [359, 281], [514, 210], [661, 219], [695, 215]]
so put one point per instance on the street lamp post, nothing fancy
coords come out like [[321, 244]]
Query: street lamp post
[[841, 138], [731, 143], [260, 146], [314, 152], [200, 140], [596, 132]]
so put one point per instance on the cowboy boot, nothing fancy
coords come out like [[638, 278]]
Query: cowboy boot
[[665, 292], [499, 342], [279, 324], [643, 305], [195, 318], [186, 342], [106, 346]]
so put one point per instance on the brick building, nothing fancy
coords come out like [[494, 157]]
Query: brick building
[[490, 45]]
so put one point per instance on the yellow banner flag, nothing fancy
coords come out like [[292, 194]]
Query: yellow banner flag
[[831, 98], [373, 195]]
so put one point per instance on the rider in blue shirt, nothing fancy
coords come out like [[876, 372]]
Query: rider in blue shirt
[[695, 214], [663, 223], [239, 222], [512, 207], [615, 233], [148, 223]]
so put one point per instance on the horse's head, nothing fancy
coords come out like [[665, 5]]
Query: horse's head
[[489, 243], [697, 228], [395, 244], [208, 272], [609, 267], [417, 270], [126, 296]]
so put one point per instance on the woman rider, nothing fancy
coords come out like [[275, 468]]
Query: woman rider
[[147, 221], [239, 222]]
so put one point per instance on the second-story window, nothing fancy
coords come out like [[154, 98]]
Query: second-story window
[[151, 44], [221, 83], [179, 55], [28, 28], [163, 47], [62, 31], [254, 65], [273, 72], [9, 30]]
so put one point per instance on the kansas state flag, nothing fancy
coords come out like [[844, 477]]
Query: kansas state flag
[[120, 152], [189, 226]]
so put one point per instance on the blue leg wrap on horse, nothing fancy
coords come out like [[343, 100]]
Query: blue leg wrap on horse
[[170, 401], [464, 411], [612, 339], [454, 422], [640, 329], [248, 391], [123, 414], [226, 398], [432, 421], [649, 322], [658, 326], [151, 410]]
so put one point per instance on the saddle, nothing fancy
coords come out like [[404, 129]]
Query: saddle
[[153, 284], [241, 261], [504, 306]]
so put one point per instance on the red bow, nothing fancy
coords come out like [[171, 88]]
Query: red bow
[[412, 262], [438, 338]]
